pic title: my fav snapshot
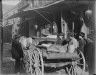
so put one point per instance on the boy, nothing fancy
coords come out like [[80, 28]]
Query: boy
[[82, 42]]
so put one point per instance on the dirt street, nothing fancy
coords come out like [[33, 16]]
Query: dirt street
[[8, 64]]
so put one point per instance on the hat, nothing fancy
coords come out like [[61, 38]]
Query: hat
[[71, 34], [82, 34], [16, 36]]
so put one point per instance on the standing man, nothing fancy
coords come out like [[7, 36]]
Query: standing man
[[17, 52], [73, 43]]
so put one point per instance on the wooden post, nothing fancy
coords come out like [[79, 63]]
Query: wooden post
[[95, 33], [1, 37]]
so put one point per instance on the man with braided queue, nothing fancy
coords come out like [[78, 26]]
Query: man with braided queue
[[18, 44]]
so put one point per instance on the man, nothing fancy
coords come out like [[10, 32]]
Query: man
[[45, 31], [17, 52], [83, 45], [19, 43], [73, 43]]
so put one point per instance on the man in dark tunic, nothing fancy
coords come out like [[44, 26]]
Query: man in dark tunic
[[17, 52]]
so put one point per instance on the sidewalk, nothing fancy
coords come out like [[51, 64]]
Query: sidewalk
[[8, 63]]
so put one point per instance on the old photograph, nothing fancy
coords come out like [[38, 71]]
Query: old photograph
[[47, 37]]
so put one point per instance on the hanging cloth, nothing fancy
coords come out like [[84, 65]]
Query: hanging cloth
[[64, 27], [62, 24], [85, 30], [55, 29]]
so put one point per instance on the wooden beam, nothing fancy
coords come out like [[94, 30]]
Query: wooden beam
[[1, 37], [95, 33]]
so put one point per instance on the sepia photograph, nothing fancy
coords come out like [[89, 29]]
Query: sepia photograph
[[47, 37]]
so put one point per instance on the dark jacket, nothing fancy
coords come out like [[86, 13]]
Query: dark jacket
[[17, 51]]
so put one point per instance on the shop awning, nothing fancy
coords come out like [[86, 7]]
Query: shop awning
[[54, 7]]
